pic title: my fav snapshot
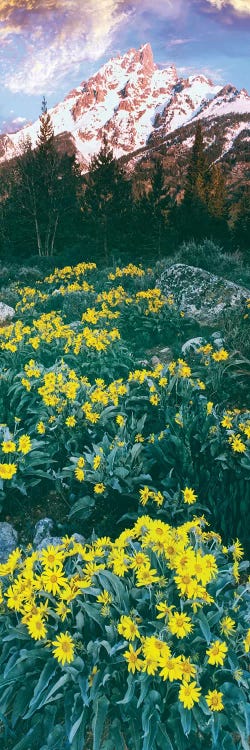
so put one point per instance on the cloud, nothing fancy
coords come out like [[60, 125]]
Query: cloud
[[58, 35], [46, 41], [240, 6], [177, 42], [217, 75]]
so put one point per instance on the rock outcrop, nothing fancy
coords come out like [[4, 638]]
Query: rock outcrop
[[8, 540], [6, 313], [200, 294]]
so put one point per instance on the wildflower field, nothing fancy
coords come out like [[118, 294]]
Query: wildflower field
[[133, 631]]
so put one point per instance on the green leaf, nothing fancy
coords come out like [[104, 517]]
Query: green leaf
[[215, 726], [55, 738], [227, 742], [204, 626], [20, 704], [44, 679], [111, 582], [232, 693], [241, 726], [42, 700], [186, 719], [100, 709], [163, 738], [93, 612], [85, 504], [149, 737], [135, 451], [145, 684], [134, 729], [121, 472], [76, 726], [26, 742], [129, 692]]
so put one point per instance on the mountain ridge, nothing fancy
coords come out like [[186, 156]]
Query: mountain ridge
[[138, 105]]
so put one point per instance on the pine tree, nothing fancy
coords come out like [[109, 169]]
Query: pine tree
[[217, 203], [46, 133], [216, 194], [42, 194], [192, 216], [106, 199], [241, 229], [160, 204], [196, 181]]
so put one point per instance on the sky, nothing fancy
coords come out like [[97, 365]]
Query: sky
[[48, 47]]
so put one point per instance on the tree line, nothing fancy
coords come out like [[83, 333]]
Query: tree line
[[47, 207]]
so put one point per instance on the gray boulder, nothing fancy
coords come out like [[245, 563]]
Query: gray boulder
[[6, 312], [8, 540], [79, 538], [200, 294], [48, 541], [43, 529]]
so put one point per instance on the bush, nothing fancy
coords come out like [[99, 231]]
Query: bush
[[141, 643], [205, 254]]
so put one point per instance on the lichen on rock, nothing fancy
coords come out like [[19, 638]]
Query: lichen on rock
[[200, 294]]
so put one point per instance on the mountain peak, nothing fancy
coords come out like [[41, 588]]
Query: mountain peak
[[147, 58], [135, 58], [131, 101]]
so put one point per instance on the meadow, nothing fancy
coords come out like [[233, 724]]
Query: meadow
[[127, 423]]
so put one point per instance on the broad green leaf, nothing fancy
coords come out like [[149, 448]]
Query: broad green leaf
[[26, 742], [215, 726], [129, 692], [84, 504], [76, 726], [204, 626], [186, 719], [100, 709], [44, 679], [41, 700], [163, 738]]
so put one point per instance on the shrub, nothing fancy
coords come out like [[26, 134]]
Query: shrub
[[205, 254]]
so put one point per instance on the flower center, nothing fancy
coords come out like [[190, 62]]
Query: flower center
[[66, 647]]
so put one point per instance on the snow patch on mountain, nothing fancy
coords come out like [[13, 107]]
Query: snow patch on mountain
[[133, 103]]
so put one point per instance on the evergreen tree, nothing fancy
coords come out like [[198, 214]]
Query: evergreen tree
[[241, 229], [42, 194], [216, 198], [217, 203], [106, 200], [191, 216], [45, 136], [160, 204], [142, 224], [196, 181]]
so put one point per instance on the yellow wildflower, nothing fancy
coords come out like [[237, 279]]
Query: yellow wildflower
[[131, 656], [24, 444], [99, 488], [189, 496], [213, 699], [8, 446], [217, 653], [7, 471], [64, 648], [189, 694]]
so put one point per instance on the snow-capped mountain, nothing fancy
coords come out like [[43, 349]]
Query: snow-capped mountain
[[138, 106]]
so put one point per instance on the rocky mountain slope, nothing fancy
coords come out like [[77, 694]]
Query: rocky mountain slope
[[144, 110]]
